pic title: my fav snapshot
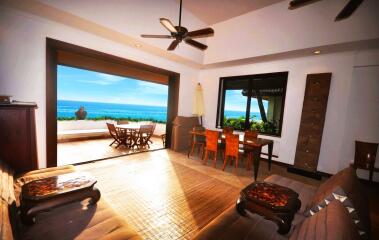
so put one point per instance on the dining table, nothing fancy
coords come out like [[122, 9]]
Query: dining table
[[255, 144], [131, 130]]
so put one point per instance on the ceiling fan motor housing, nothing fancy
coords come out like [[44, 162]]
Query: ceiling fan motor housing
[[181, 33]]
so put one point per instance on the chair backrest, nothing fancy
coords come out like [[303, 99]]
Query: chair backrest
[[198, 138], [119, 122], [154, 126], [250, 135], [211, 139], [365, 155], [231, 145], [148, 129], [227, 130], [112, 129]]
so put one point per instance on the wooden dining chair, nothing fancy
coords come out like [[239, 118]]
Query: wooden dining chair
[[144, 134], [250, 135], [152, 133], [197, 141], [163, 137], [120, 122], [231, 149], [365, 156], [211, 145], [118, 136], [221, 145], [227, 130]]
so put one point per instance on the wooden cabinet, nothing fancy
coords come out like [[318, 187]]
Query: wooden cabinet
[[18, 136], [312, 121]]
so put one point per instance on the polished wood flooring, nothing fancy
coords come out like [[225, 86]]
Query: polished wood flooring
[[166, 195], [91, 150]]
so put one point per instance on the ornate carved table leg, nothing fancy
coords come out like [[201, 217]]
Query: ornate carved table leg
[[241, 206], [95, 196], [26, 217]]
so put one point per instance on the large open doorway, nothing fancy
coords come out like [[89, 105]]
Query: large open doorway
[[87, 89], [89, 101]]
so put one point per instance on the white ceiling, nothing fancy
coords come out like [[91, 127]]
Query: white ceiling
[[215, 11], [269, 31]]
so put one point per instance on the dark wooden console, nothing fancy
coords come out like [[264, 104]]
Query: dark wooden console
[[18, 136]]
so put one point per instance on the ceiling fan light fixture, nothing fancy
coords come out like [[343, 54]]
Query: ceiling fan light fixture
[[317, 52], [168, 24]]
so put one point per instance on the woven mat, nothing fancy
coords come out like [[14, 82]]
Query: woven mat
[[162, 199]]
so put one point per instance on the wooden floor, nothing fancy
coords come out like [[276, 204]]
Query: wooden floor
[[90, 150], [165, 195]]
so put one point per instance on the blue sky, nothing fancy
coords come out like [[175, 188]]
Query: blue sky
[[83, 85], [235, 101]]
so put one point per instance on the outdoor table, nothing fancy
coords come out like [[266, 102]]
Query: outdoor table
[[132, 129], [256, 144]]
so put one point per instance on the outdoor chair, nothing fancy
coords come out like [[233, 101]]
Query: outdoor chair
[[120, 122], [119, 137], [154, 125], [163, 137], [144, 134]]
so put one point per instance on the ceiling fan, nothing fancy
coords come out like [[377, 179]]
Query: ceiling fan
[[180, 33], [346, 12]]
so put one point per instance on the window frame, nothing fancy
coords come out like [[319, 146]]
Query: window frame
[[250, 78]]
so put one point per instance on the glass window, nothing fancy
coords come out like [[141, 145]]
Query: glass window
[[252, 102]]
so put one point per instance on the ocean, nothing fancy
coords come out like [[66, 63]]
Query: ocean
[[68, 108]]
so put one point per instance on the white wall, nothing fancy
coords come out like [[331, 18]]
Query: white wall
[[362, 116], [275, 29], [23, 66], [341, 66]]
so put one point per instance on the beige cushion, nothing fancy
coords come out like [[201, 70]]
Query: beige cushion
[[330, 223], [231, 225], [305, 191], [77, 221]]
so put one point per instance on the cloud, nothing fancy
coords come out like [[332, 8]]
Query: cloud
[[103, 79], [152, 88]]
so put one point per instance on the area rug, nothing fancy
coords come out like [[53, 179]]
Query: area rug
[[161, 199]]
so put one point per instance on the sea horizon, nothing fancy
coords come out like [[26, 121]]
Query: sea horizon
[[67, 109]]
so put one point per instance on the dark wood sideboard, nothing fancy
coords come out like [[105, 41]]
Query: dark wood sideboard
[[312, 124], [18, 145]]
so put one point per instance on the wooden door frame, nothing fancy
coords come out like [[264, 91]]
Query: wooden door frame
[[52, 48]]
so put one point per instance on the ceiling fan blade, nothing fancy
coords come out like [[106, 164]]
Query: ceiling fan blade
[[349, 9], [173, 45], [195, 44], [168, 25], [155, 36], [300, 3], [206, 32]]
